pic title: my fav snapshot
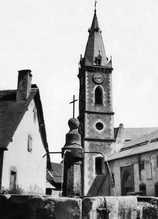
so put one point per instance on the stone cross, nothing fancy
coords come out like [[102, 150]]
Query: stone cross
[[73, 102]]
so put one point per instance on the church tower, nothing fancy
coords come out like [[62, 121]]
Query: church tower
[[95, 105]]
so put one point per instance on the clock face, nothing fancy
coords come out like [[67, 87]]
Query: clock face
[[98, 78]]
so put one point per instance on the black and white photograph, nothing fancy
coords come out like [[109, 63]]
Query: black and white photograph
[[78, 109]]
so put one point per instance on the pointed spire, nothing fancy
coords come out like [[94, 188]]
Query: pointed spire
[[95, 51], [95, 25]]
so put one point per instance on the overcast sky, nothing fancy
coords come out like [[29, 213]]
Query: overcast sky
[[48, 37]]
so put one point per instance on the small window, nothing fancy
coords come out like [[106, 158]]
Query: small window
[[13, 178], [142, 188], [34, 114], [113, 179], [29, 143], [98, 96], [99, 165], [142, 165]]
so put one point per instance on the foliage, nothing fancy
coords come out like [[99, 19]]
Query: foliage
[[16, 190]]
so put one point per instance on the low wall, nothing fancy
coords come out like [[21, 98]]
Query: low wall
[[123, 207], [39, 207], [47, 207]]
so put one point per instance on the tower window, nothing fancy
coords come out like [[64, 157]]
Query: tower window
[[99, 126], [99, 165], [98, 96]]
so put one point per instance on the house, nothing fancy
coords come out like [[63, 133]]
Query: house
[[23, 139], [135, 166]]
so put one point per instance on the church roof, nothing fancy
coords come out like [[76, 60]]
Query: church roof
[[12, 112], [140, 145], [95, 46]]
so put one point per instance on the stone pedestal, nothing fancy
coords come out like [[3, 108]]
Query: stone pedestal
[[72, 158]]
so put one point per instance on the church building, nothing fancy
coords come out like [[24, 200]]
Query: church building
[[96, 114], [117, 160], [132, 153]]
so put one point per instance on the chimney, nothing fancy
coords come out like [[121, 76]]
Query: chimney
[[24, 85], [120, 134]]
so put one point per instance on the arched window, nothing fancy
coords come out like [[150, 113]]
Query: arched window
[[142, 188], [99, 162], [156, 189], [98, 96]]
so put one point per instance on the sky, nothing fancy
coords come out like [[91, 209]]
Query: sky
[[48, 37]]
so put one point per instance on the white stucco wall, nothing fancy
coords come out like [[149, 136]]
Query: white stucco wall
[[30, 166]]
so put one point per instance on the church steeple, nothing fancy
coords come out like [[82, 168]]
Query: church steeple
[[95, 104], [95, 52]]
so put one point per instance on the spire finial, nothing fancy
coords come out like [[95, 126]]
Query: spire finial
[[95, 5]]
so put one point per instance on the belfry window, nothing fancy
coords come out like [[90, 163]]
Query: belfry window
[[98, 96]]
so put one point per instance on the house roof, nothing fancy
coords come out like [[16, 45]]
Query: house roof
[[12, 112], [133, 151], [122, 134], [143, 144], [141, 140], [55, 175], [133, 133]]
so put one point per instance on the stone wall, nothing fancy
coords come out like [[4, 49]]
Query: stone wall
[[47, 207], [125, 207]]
